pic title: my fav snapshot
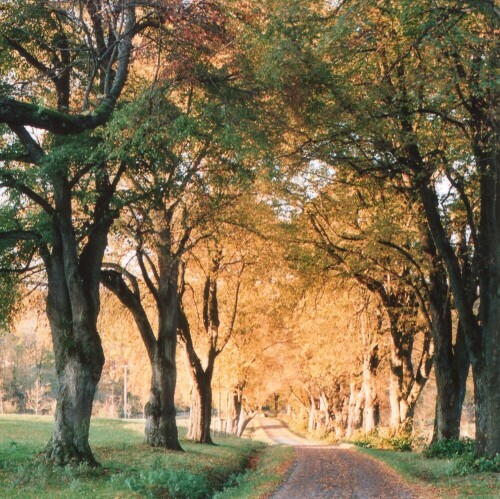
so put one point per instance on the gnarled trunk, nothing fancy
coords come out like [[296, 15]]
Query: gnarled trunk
[[72, 310], [79, 368]]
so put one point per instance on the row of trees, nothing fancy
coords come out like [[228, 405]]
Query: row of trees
[[142, 141]]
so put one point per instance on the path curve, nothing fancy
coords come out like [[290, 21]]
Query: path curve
[[334, 471]]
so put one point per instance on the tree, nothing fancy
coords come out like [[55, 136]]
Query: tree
[[354, 231], [202, 369], [36, 397]]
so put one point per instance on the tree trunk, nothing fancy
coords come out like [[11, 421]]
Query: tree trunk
[[201, 410], [233, 413], [402, 407], [245, 418], [407, 382], [451, 367], [161, 427], [160, 412], [371, 407], [340, 420], [395, 387], [482, 332], [77, 386], [370, 365], [355, 415], [312, 416], [491, 446], [79, 362], [486, 374]]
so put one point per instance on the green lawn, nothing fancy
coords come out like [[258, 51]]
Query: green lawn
[[130, 469], [435, 475]]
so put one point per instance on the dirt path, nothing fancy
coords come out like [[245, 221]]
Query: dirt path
[[334, 471]]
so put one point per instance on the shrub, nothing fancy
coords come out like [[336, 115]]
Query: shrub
[[177, 483], [368, 441], [448, 449], [402, 442], [468, 464]]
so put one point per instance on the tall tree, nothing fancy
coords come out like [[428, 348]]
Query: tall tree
[[216, 335], [52, 47]]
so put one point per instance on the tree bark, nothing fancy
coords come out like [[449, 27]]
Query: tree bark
[[355, 415], [451, 367], [405, 385], [201, 409], [79, 365], [72, 308], [371, 411], [161, 426], [233, 415], [244, 419], [370, 366]]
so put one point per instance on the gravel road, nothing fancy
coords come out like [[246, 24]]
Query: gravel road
[[334, 471]]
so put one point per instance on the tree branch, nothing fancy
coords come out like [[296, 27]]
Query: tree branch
[[113, 280]]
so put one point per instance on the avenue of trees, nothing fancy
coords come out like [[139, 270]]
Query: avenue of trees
[[296, 201]]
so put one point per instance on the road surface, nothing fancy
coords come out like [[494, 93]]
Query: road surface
[[334, 471]]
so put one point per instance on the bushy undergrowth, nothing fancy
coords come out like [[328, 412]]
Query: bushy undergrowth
[[402, 442], [469, 463], [448, 449], [161, 482], [463, 453]]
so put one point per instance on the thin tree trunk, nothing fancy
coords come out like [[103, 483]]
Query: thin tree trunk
[[371, 397]]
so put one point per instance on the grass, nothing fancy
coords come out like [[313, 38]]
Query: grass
[[262, 479], [436, 475], [131, 469]]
